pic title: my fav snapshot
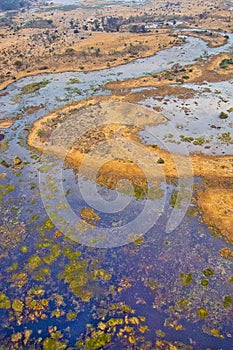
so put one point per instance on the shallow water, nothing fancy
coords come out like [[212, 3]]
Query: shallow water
[[159, 274], [196, 117], [100, 3]]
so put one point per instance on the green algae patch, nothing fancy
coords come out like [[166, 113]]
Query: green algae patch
[[54, 254], [24, 249], [230, 280], [42, 274], [175, 200], [71, 254], [82, 276], [191, 212], [48, 224], [208, 272], [70, 316], [53, 344], [186, 279], [43, 245], [140, 192], [215, 333], [75, 274], [19, 279], [103, 274], [183, 304], [34, 262], [177, 197], [38, 306], [125, 326], [227, 302], [138, 240], [4, 301], [74, 81], [16, 337], [45, 168], [202, 312], [33, 218], [97, 340], [33, 87], [13, 267], [152, 284], [204, 283], [115, 321], [5, 189], [17, 305]]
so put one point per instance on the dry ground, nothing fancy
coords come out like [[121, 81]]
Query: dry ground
[[55, 47], [216, 203], [208, 70]]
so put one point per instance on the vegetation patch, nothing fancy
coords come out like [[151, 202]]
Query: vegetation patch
[[226, 62], [186, 279], [33, 87], [223, 115], [4, 301]]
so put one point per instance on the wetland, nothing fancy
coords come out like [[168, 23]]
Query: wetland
[[116, 190]]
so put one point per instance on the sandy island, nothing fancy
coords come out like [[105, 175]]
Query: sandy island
[[6, 123], [99, 153]]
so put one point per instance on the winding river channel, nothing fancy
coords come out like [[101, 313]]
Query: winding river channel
[[166, 285]]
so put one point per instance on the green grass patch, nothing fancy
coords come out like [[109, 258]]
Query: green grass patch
[[33, 87]]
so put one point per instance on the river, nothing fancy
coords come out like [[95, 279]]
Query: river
[[165, 285]]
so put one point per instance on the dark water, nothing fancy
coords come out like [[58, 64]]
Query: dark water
[[66, 289]]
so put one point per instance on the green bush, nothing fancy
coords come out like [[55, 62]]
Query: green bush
[[223, 115]]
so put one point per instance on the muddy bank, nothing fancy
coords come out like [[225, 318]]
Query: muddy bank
[[91, 54], [211, 71], [216, 205], [6, 123], [114, 126]]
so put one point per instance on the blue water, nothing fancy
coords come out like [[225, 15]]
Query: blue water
[[158, 259]]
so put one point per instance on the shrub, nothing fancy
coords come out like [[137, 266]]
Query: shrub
[[223, 115], [18, 63]]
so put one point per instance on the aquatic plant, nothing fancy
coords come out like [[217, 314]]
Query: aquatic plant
[[54, 254], [74, 81], [82, 276], [208, 272], [223, 115], [4, 301], [17, 305], [202, 312], [204, 283], [5, 189], [226, 137], [225, 63], [89, 214], [33, 87], [34, 262], [227, 302], [125, 328], [96, 341], [53, 344], [186, 279]]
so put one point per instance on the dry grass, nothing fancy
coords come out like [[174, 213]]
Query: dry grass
[[216, 204]]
